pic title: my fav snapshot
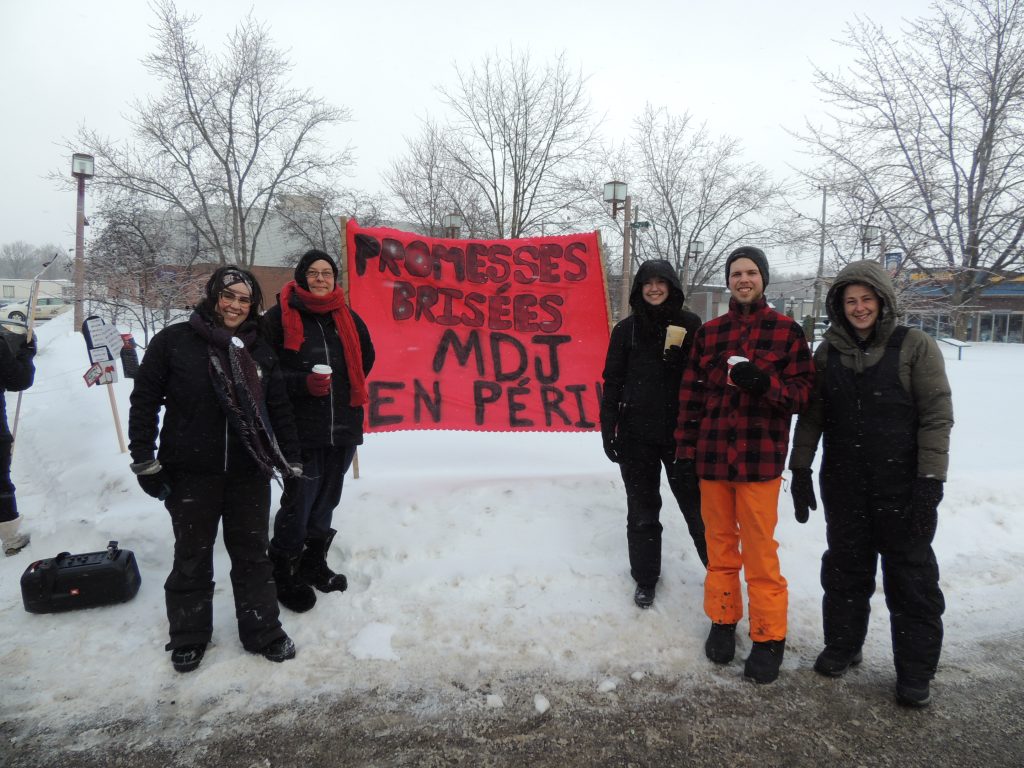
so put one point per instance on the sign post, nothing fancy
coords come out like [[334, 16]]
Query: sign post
[[104, 344]]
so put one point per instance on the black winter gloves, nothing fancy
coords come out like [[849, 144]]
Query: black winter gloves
[[749, 377], [924, 508], [27, 350], [684, 472], [153, 478], [674, 357], [611, 445], [802, 490]]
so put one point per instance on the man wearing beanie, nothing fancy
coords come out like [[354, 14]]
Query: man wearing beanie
[[749, 371]]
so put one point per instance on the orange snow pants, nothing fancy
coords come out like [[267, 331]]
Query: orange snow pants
[[739, 523]]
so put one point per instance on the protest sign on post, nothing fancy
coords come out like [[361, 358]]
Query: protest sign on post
[[104, 342], [484, 335]]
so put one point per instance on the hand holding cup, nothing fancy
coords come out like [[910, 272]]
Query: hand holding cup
[[319, 381]]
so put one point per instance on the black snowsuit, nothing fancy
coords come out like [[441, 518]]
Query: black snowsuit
[[639, 407], [883, 410], [329, 427], [16, 374], [213, 478]]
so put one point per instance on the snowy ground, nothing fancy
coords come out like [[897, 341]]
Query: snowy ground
[[472, 559]]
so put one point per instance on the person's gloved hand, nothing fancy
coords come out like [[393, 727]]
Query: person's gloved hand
[[750, 378], [319, 384], [924, 508], [611, 445], [27, 350], [153, 478], [674, 357], [802, 490], [684, 472]]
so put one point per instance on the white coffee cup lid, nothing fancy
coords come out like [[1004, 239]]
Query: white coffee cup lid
[[321, 368], [737, 359]]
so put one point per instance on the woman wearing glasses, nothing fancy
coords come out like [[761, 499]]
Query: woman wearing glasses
[[325, 353], [227, 429]]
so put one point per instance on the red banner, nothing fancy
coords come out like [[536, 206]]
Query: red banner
[[491, 335]]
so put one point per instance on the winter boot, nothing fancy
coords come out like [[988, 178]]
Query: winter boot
[[764, 661], [644, 595], [913, 693], [12, 541], [313, 567], [292, 592], [278, 650], [833, 661], [188, 657], [720, 646]]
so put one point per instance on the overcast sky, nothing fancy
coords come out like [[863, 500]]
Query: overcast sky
[[745, 67]]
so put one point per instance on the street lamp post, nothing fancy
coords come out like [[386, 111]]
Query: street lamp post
[[868, 235], [694, 249], [82, 168], [451, 223], [617, 193]]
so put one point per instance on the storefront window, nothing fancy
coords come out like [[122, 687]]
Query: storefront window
[[984, 326], [1016, 332]]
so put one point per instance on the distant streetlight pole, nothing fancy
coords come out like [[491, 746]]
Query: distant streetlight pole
[[868, 235], [451, 223], [694, 249], [617, 193], [816, 306], [82, 168]]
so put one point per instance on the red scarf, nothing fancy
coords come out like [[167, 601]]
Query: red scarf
[[334, 303]]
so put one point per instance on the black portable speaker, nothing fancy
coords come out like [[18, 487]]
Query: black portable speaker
[[67, 581]]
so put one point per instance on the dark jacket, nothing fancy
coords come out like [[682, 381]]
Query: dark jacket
[[194, 433], [735, 435], [922, 372], [640, 399], [321, 421], [16, 374]]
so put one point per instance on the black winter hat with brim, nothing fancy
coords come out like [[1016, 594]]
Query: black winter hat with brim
[[756, 255], [304, 263]]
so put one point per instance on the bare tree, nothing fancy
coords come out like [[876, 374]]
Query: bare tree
[[314, 220], [928, 125], [18, 260], [142, 263], [508, 157], [696, 187], [227, 135]]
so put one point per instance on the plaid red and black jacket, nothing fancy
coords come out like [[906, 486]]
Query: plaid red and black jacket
[[732, 434]]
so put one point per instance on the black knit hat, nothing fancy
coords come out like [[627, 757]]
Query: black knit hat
[[308, 258], [756, 255]]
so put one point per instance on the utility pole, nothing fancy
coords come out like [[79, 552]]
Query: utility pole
[[816, 306], [627, 267]]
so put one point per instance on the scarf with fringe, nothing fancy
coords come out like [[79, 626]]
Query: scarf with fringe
[[236, 382]]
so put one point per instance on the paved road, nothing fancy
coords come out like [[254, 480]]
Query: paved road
[[715, 719]]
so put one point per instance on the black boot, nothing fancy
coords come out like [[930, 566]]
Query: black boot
[[764, 661], [833, 661], [644, 595], [292, 592], [313, 567], [720, 646]]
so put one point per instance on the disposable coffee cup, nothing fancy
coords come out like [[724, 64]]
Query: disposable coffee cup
[[674, 336], [322, 370], [731, 362]]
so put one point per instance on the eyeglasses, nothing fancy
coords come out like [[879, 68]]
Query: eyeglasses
[[327, 274], [231, 296]]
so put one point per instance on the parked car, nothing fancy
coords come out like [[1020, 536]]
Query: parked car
[[46, 307]]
